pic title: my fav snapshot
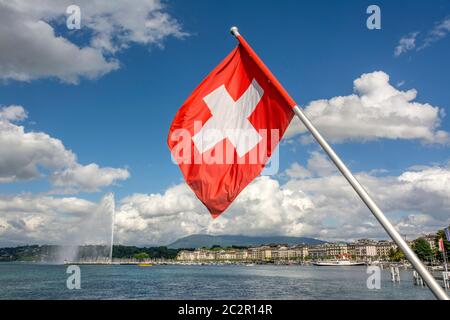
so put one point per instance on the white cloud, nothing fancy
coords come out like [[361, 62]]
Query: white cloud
[[400, 83], [376, 110], [156, 218], [419, 196], [89, 177], [13, 113], [433, 179], [34, 51], [440, 31], [28, 153], [34, 219], [262, 208], [410, 42], [297, 171], [317, 203], [319, 165], [406, 44]]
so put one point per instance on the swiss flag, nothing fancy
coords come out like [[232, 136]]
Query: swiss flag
[[226, 131]]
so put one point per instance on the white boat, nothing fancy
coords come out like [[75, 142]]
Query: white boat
[[338, 263]]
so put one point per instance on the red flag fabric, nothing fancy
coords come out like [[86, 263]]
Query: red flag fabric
[[225, 132], [441, 245]]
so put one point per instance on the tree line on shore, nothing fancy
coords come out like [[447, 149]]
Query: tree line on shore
[[49, 253]]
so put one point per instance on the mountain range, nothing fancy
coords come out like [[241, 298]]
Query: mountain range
[[203, 240]]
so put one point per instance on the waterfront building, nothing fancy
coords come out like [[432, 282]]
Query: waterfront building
[[317, 252], [265, 253], [363, 248], [260, 253], [384, 248], [301, 252], [226, 255], [280, 253], [336, 250], [431, 239], [204, 255], [254, 253], [196, 255], [185, 255], [242, 254], [284, 252]]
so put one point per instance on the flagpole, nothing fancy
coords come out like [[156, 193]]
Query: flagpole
[[434, 286], [444, 253]]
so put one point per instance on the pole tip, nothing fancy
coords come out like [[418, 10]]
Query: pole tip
[[234, 31]]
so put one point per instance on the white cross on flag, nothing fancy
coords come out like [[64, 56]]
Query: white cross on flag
[[230, 119], [228, 128]]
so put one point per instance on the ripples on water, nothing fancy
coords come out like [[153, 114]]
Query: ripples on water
[[38, 281]]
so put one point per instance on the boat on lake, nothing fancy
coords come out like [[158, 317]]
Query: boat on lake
[[338, 263], [145, 265]]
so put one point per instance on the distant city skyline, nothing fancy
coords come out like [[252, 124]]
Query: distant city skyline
[[86, 112]]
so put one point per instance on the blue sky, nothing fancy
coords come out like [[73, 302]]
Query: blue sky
[[315, 48]]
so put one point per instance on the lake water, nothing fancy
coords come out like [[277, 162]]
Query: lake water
[[40, 281]]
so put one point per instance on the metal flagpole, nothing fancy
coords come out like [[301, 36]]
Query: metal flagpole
[[434, 286], [444, 253]]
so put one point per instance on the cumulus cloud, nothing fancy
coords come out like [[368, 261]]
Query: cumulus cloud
[[376, 110], [161, 218], [13, 113], [433, 179], [297, 171], [36, 219], [28, 153], [414, 198], [314, 201], [34, 50], [406, 44], [89, 177]]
